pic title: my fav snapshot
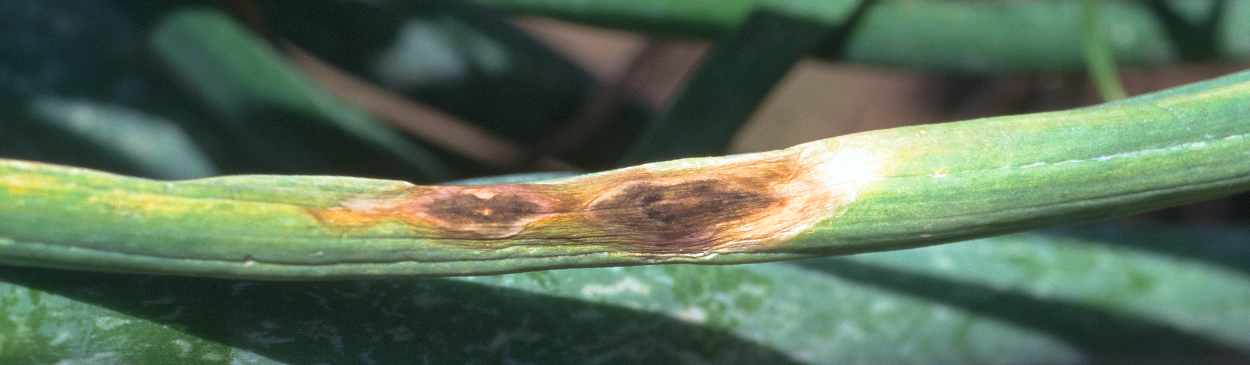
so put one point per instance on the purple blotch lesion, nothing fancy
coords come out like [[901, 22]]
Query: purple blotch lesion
[[682, 212], [470, 209]]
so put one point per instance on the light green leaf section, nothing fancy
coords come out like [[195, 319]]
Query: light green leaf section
[[1236, 19], [1031, 171]]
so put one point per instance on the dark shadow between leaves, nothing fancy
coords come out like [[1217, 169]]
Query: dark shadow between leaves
[[440, 321], [1196, 40], [1104, 336]]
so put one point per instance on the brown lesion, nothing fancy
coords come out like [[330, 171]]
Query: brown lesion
[[691, 210], [482, 209], [642, 210], [687, 212], [489, 211]]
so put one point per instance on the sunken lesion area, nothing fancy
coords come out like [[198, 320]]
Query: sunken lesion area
[[684, 216], [683, 211], [474, 209]]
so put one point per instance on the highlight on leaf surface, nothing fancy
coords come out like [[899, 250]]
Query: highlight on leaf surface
[[873, 191]]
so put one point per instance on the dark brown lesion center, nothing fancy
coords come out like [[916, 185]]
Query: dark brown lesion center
[[673, 212], [472, 209]]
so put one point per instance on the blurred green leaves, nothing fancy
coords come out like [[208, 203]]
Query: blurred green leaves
[[177, 90], [962, 36], [1096, 294], [155, 146], [236, 72], [462, 60], [248, 108], [703, 18]]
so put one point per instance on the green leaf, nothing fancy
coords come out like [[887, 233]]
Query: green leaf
[[1098, 61], [1061, 297], [705, 18], [882, 190], [989, 187], [1005, 37]]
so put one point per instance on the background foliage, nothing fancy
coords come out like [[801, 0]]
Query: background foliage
[[431, 91]]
